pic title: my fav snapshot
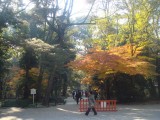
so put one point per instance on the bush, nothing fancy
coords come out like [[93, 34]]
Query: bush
[[130, 89], [23, 103], [16, 103], [57, 100], [9, 103]]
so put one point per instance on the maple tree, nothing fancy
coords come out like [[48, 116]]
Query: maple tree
[[118, 59], [16, 82]]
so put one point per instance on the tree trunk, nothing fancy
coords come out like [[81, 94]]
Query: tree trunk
[[152, 88], [64, 88], [48, 90], [108, 89], [26, 88], [158, 71], [39, 84], [65, 78], [1, 89], [158, 80]]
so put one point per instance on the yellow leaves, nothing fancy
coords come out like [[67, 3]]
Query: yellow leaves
[[34, 71], [141, 19], [118, 59], [86, 80]]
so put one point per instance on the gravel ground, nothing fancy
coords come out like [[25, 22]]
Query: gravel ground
[[70, 111]]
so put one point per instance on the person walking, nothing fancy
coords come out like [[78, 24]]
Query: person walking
[[78, 96], [91, 103], [73, 94]]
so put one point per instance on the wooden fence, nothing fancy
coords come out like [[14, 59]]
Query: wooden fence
[[101, 105]]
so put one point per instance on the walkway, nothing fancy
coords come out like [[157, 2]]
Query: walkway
[[70, 111]]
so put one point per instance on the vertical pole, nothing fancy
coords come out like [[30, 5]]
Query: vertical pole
[[80, 107], [33, 98]]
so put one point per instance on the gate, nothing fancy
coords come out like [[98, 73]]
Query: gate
[[101, 105]]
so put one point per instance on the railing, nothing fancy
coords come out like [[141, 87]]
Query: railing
[[101, 105]]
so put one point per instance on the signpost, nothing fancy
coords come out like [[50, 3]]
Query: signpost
[[33, 92]]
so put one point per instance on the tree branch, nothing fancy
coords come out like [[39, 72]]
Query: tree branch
[[89, 12], [71, 24]]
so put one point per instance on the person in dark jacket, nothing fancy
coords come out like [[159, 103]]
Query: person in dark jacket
[[78, 96], [73, 94], [91, 103]]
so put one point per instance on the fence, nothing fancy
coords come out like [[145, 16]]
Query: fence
[[101, 105]]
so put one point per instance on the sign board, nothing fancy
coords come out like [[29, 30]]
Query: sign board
[[33, 91]]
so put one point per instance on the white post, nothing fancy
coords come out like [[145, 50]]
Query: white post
[[33, 99], [33, 91]]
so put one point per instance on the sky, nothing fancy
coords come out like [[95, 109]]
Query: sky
[[80, 7]]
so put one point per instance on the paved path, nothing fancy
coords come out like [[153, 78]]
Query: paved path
[[70, 111]]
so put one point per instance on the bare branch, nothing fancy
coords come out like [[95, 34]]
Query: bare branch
[[71, 24], [88, 12], [23, 8]]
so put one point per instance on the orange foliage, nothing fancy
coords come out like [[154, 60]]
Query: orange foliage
[[18, 74], [118, 59], [86, 80]]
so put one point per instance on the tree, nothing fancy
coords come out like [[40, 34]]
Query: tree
[[155, 27], [53, 19], [4, 64], [53, 60], [27, 61], [6, 18], [103, 62]]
